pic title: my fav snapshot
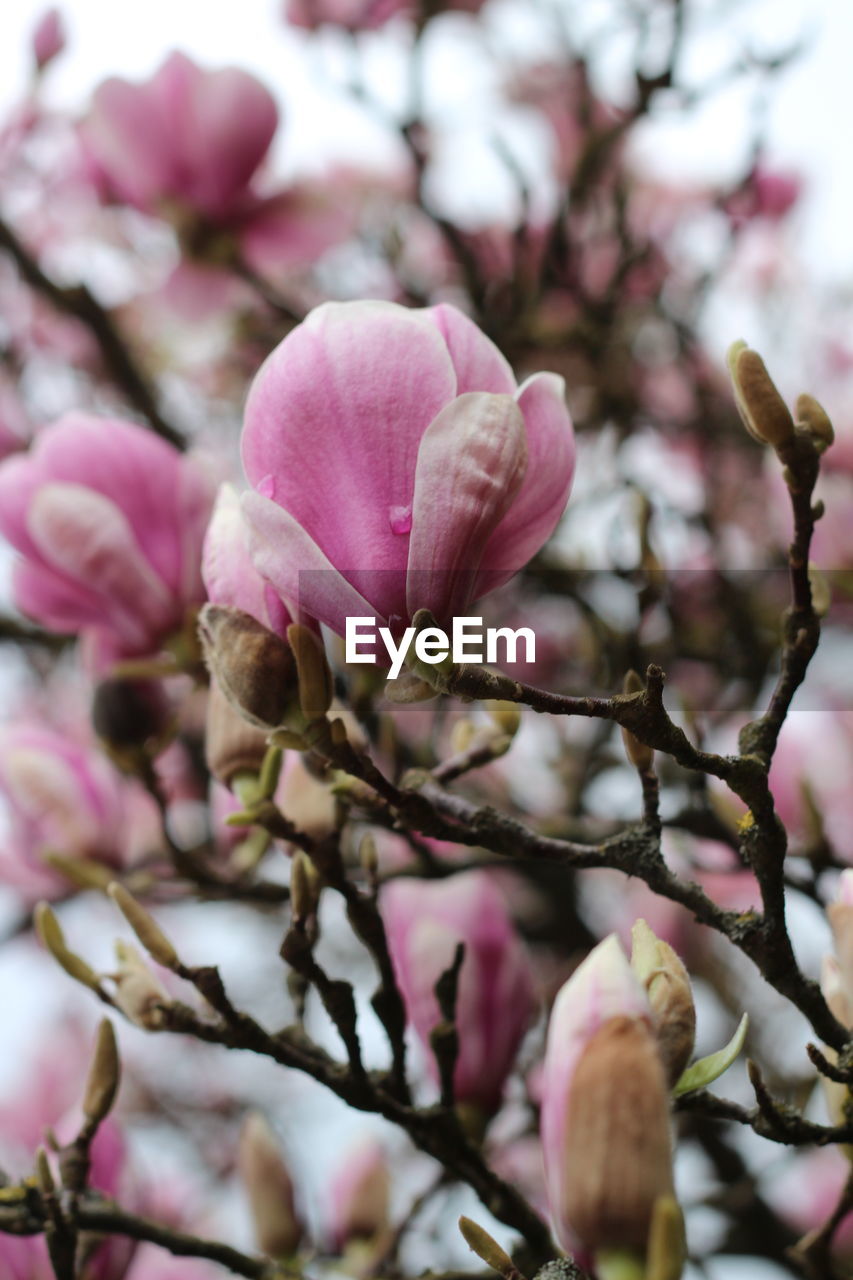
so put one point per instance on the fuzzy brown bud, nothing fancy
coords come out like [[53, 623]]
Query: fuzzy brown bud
[[104, 1075], [618, 1117], [127, 713], [812, 415], [667, 985], [145, 927], [765, 415], [138, 993], [268, 1184], [255, 668], [640, 756]]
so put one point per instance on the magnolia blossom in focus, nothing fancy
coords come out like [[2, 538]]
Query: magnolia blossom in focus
[[109, 522], [397, 465], [495, 1001], [65, 798], [605, 1108]]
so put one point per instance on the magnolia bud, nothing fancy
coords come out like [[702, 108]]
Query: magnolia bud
[[487, 1248], [765, 415], [618, 1115], [641, 756], [812, 415], [667, 985], [138, 993], [304, 887], [145, 927], [316, 686], [231, 746], [254, 668], [48, 38], [104, 1075], [278, 1230], [50, 932]]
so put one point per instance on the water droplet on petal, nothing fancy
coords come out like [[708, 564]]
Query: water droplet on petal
[[266, 488], [400, 519]]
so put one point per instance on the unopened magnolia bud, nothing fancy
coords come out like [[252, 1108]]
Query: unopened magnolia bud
[[407, 688], [359, 1194], [640, 756], [50, 933], [618, 1116], [138, 993], [765, 415], [304, 887], [812, 415], [316, 686], [480, 1242], [667, 985], [255, 668], [368, 855], [82, 872], [44, 1176], [506, 715], [278, 1231], [104, 1075], [145, 927], [462, 735], [231, 745]]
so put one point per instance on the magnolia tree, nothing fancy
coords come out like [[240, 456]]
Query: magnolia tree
[[432, 833]]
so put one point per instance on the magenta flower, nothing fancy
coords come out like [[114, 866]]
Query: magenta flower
[[109, 520], [605, 1112], [495, 999], [397, 465], [62, 797]]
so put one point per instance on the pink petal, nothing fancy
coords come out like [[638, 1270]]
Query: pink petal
[[335, 418], [284, 554], [226, 121], [229, 574], [471, 464], [542, 499], [87, 539], [140, 473], [479, 364], [128, 135]]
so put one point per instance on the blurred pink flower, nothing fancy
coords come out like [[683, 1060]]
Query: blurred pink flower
[[62, 797], [357, 1206], [353, 15], [495, 1000], [186, 136], [48, 37], [397, 465], [109, 520], [187, 145]]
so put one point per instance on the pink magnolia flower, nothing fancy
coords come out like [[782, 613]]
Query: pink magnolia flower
[[358, 1195], [602, 1064], [187, 145], [48, 38], [186, 136], [495, 999], [109, 522], [397, 465], [62, 797]]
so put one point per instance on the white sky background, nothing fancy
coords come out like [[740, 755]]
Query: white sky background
[[808, 130]]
